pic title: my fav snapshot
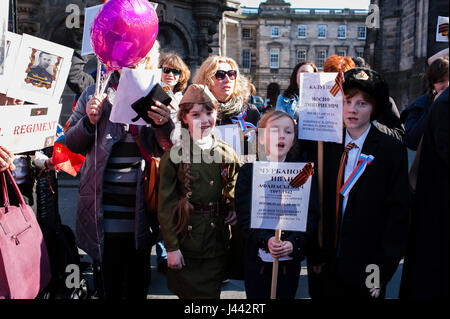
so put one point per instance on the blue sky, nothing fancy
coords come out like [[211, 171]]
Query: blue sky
[[336, 4]]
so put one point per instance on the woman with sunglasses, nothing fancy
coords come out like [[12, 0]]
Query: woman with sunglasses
[[230, 88], [175, 75]]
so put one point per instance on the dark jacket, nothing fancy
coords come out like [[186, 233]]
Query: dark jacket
[[389, 122], [414, 117], [425, 271], [79, 80], [375, 224], [80, 139]]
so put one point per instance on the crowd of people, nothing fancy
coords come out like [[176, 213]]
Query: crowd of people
[[203, 234]]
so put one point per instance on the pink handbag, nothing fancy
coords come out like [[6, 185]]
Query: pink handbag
[[24, 262]]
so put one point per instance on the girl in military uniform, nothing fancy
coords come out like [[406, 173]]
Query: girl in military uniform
[[196, 200]]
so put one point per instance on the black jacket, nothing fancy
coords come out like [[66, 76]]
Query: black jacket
[[375, 224]]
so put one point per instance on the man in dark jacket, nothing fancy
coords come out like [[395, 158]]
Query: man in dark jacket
[[425, 272]]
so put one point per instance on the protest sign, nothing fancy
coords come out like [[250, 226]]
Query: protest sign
[[442, 29], [275, 204], [320, 112], [12, 48], [133, 84], [89, 16], [40, 71], [230, 134], [4, 10], [26, 128]]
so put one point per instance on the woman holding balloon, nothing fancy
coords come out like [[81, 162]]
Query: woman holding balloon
[[112, 224]]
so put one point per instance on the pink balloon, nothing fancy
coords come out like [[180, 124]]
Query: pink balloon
[[123, 32]]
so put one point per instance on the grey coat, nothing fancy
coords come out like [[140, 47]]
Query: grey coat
[[80, 139]]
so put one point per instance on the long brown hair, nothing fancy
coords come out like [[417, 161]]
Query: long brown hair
[[293, 86], [182, 211]]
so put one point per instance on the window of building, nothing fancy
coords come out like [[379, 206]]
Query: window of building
[[359, 52], [341, 52], [302, 31], [274, 57], [246, 58], [321, 56], [361, 33], [246, 33], [274, 32], [342, 32], [301, 55], [322, 31]]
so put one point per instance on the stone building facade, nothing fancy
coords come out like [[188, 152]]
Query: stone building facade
[[270, 40], [400, 47]]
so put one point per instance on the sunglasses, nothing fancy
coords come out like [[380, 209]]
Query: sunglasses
[[220, 74], [168, 70]]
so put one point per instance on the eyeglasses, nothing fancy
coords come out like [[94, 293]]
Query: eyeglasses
[[168, 70], [220, 74]]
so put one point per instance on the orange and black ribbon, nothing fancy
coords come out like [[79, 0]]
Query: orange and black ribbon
[[338, 85], [303, 176]]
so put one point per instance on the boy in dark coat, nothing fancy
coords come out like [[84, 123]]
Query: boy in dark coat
[[366, 197]]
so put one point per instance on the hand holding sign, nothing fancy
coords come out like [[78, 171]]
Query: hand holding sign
[[279, 249]]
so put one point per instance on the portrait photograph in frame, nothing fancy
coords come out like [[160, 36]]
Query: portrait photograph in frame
[[40, 71], [11, 50]]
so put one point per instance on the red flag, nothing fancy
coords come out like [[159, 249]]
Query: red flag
[[65, 160]]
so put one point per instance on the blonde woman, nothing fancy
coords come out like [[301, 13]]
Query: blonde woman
[[221, 75]]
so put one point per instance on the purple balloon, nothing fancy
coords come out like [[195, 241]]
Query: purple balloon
[[123, 32]]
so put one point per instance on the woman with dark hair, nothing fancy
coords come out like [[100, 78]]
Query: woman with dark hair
[[288, 101], [414, 116]]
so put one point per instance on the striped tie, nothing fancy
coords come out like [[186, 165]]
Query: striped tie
[[344, 158]]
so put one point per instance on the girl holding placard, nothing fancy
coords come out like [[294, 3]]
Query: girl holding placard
[[276, 136], [196, 200]]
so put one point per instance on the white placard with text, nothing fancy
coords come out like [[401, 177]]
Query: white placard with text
[[275, 204], [26, 128], [320, 113]]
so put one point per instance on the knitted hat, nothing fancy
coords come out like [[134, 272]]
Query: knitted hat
[[198, 93], [371, 83]]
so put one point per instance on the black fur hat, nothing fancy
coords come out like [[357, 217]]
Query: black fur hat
[[371, 83]]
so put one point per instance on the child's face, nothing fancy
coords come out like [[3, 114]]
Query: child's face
[[356, 112], [200, 121], [279, 137]]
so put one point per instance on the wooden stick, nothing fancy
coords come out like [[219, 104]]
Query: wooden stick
[[320, 168], [273, 293]]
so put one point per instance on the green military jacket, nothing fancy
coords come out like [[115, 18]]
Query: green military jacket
[[207, 237]]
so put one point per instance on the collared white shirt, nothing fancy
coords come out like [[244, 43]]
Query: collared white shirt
[[353, 156]]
